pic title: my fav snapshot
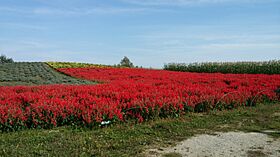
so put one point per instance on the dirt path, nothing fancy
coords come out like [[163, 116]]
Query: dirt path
[[228, 144]]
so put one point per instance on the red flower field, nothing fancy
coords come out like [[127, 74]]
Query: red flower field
[[130, 94]]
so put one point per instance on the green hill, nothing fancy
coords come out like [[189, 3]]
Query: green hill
[[34, 73]]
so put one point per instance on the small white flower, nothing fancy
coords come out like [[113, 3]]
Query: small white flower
[[105, 122]]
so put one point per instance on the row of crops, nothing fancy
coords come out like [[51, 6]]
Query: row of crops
[[35, 73], [268, 67], [130, 94], [75, 65]]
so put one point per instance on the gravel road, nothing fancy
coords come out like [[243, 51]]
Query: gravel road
[[230, 144]]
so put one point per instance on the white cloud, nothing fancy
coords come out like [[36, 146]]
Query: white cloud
[[77, 11], [15, 25], [239, 47], [172, 38], [22, 45], [206, 43], [187, 2], [115, 10], [52, 11]]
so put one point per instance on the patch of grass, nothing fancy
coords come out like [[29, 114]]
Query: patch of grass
[[257, 153], [132, 139], [172, 155], [34, 73]]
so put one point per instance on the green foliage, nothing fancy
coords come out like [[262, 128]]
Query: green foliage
[[4, 59], [34, 73], [266, 67], [57, 65], [173, 154], [125, 62]]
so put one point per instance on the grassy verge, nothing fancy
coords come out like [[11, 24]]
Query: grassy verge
[[131, 139]]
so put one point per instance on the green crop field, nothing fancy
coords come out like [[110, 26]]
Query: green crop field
[[75, 65], [267, 67], [33, 73]]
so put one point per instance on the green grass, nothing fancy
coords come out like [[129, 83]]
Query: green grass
[[267, 67], [172, 155], [33, 73], [132, 139]]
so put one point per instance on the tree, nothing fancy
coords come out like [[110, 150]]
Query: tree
[[125, 62], [4, 59]]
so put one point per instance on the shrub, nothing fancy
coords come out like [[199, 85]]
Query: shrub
[[4, 59]]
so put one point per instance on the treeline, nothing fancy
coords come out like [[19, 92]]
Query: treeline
[[265, 67]]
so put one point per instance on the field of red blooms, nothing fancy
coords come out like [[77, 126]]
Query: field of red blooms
[[125, 94]]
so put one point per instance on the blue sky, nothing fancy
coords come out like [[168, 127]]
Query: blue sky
[[149, 32]]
